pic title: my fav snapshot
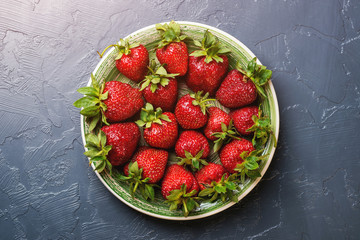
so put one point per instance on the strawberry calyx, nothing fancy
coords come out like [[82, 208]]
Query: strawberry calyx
[[97, 151], [169, 33], [227, 133], [262, 130], [160, 76], [92, 104], [148, 116], [201, 101], [211, 48], [179, 197], [224, 189], [250, 166], [122, 47], [195, 162], [137, 182], [258, 74]]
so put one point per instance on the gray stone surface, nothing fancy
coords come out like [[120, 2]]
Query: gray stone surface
[[312, 188]]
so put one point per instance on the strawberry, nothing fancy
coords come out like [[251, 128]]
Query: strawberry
[[249, 120], [192, 148], [172, 51], [152, 161], [179, 187], [132, 59], [215, 183], [240, 157], [242, 118], [123, 137], [146, 168], [175, 176], [236, 90], [190, 110], [230, 153], [216, 117], [123, 101], [113, 145], [111, 101], [208, 66], [241, 87], [219, 128], [161, 129], [210, 173], [160, 89]]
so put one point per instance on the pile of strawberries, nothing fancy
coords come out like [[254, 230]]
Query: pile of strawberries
[[191, 125]]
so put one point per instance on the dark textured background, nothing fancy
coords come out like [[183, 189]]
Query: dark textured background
[[312, 188]]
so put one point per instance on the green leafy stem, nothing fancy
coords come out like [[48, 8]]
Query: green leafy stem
[[224, 189], [97, 151], [92, 104], [137, 182], [250, 166], [258, 74], [179, 197]]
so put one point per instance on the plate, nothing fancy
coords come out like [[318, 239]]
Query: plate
[[149, 37]]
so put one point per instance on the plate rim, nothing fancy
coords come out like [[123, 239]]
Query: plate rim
[[250, 188]]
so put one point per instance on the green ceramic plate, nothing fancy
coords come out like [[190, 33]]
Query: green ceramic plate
[[107, 71]]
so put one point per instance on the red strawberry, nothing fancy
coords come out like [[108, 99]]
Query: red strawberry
[[230, 154], [113, 145], [178, 187], [249, 120], [172, 52], [146, 168], [192, 148], [190, 110], [175, 176], [163, 97], [216, 117], [192, 142], [204, 76], [113, 101], [123, 101], [136, 154], [210, 173], [175, 57], [132, 60], [236, 90], [215, 183], [240, 87], [207, 67], [160, 89], [152, 161], [219, 128], [242, 118], [161, 129], [123, 137]]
